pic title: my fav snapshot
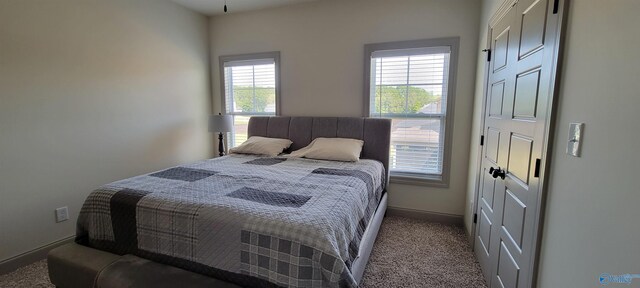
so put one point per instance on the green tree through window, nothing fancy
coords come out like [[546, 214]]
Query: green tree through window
[[394, 99], [244, 98]]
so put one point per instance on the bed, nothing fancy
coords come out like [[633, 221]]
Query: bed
[[242, 219]]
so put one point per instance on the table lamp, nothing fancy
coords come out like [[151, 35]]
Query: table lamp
[[220, 124]]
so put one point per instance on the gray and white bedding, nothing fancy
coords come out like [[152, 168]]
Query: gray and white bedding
[[250, 220]]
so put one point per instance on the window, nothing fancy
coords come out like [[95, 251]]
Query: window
[[411, 83], [250, 88]]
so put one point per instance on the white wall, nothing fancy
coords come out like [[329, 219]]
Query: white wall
[[593, 204], [322, 51], [92, 92], [591, 220]]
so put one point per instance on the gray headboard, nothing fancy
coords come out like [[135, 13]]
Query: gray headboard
[[375, 132]]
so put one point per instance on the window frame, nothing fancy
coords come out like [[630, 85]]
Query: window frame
[[275, 55], [453, 43]]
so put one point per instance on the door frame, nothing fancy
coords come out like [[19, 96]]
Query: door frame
[[550, 127]]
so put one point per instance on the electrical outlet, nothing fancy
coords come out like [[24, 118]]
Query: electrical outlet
[[62, 214]]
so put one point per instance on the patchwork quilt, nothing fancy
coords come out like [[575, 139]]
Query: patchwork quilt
[[250, 220]]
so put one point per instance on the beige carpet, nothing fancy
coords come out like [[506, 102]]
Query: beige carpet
[[34, 275], [414, 253], [408, 253]]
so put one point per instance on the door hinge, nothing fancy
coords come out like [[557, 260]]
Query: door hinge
[[556, 3], [488, 54], [481, 140], [536, 172], [475, 217]]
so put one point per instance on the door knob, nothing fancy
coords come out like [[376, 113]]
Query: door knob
[[497, 172]]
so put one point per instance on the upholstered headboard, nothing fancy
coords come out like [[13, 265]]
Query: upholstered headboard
[[375, 132]]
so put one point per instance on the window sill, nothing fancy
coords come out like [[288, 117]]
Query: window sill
[[423, 180]]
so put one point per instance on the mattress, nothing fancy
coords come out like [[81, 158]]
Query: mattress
[[249, 220]]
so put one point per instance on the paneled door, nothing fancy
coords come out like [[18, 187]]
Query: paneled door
[[519, 90]]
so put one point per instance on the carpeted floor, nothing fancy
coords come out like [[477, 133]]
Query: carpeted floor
[[414, 253], [34, 275], [407, 253]]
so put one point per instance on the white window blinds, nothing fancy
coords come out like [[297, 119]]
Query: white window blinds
[[410, 87], [250, 90]]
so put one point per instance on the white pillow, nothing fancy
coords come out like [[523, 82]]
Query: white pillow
[[262, 146], [338, 149]]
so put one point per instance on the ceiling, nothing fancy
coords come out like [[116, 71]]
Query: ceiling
[[215, 7]]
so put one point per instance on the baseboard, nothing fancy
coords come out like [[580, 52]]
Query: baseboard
[[449, 219], [32, 256]]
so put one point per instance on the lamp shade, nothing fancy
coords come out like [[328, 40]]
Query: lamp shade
[[220, 123]]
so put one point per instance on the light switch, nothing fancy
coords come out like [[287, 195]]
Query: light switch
[[575, 139]]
